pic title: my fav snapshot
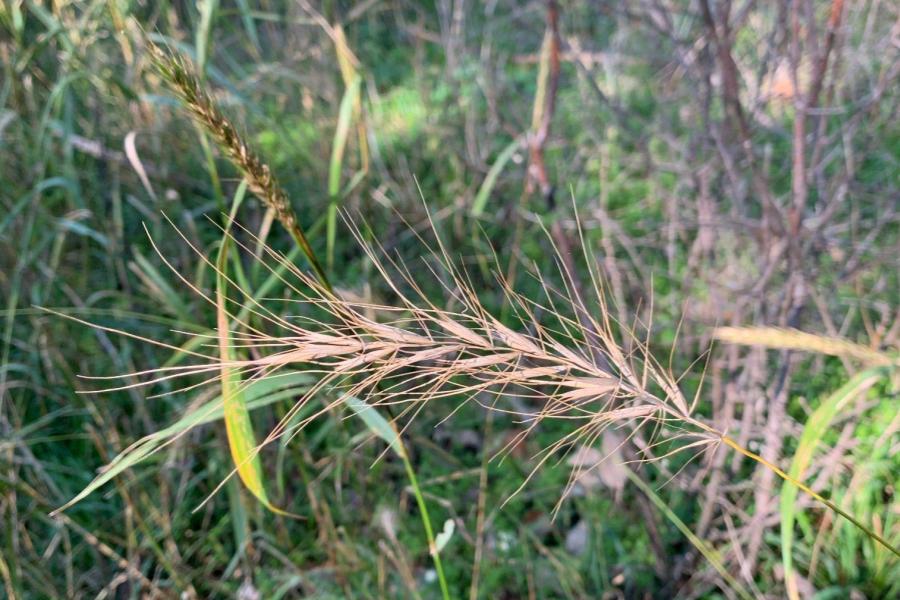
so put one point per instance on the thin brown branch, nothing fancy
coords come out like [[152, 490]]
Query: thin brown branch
[[537, 170]]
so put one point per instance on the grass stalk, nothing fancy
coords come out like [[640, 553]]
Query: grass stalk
[[426, 522], [384, 429], [708, 552], [815, 495]]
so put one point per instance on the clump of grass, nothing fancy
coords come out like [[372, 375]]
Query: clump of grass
[[180, 76], [820, 419]]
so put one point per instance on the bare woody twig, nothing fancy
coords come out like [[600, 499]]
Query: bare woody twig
[[545, 104], [721, 36]]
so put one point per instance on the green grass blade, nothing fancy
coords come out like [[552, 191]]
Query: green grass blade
[[249, 24], [812, 493], [260, 292], [815, 428], [341, 133], [160, 288], [380, 426], [708, 552], [484, 192], [204, 30], [376, 424]]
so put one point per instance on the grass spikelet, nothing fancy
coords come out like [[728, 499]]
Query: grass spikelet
[[180, 76]]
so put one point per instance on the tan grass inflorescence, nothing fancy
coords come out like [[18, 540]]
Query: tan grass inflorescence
[[792, 339], [413, 352]]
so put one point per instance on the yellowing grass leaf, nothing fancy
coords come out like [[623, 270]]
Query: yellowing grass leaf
[[347, 61], [258, 393], [238, 426]]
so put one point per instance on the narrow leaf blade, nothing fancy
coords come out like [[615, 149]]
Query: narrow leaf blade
[[238, 426], [815, 428]]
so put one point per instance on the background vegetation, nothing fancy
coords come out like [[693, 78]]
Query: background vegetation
[[724, 163]]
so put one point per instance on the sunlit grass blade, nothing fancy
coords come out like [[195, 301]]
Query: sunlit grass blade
[[347, 61], [349, 65], [792, 339], [207, 15]]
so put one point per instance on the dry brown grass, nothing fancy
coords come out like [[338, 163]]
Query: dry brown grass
[[792, 339], [413, 352]]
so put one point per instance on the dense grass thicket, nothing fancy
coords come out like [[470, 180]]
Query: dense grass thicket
[[447, 299]]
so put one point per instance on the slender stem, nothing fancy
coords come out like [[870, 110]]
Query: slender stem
[[303, 244], [426, 521], [734, 445]]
